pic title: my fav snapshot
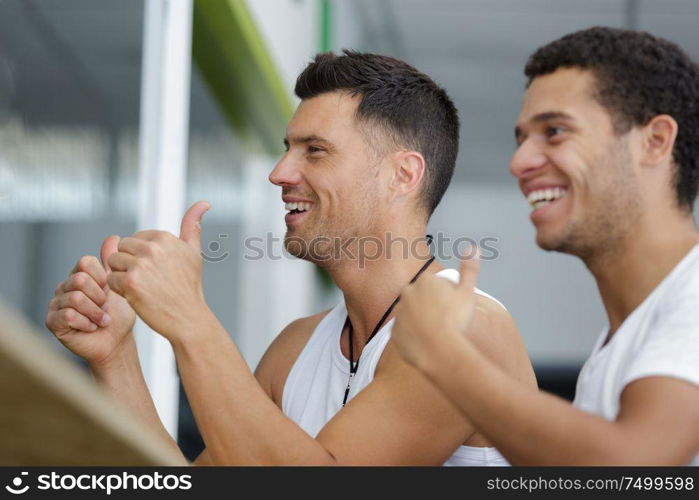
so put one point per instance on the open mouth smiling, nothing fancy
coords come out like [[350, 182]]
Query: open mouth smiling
[[539, 198]]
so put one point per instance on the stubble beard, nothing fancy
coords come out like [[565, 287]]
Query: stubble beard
[[601, 233], [322, 241], [318, 241]]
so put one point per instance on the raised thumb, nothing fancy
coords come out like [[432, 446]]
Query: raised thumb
[[470, 267], [109, 246], [190, 230]]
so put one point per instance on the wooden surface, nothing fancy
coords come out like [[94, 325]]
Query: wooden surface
[[52, 413]]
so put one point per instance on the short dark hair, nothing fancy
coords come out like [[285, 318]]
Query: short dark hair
[[405, 104], [638, 76]]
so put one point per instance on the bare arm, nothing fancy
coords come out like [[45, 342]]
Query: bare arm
[[255, 431], [274, 367], [96, 324], [121, 377], [124, 379], [400, 409], [658, 422]]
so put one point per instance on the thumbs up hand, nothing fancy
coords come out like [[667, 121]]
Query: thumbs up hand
[[433, 312], [159, 275], [87, 317]]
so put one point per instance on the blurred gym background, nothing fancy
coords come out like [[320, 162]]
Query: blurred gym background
[[107, 125]]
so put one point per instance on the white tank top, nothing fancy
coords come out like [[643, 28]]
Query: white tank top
[[315, 386]]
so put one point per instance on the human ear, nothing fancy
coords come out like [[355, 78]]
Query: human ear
[[659, 136], [409, 169]]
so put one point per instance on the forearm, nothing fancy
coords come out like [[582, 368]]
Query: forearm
[[123, 379], [240, 424], [529, 427]]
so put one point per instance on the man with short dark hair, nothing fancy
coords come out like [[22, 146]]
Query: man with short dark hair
[[370, 152], [608, 157]]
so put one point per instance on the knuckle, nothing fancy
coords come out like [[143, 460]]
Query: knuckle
[[68, 315], [162, 237], [131, 285], [75, 299], [79, 279], [129, 282], [150, 248], [115, 283], [85, 262]]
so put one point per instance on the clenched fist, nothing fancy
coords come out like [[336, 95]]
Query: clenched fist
[[159, 274], [87, 317]]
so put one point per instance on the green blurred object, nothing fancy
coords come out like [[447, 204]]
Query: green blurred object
[[237, 66], [325, 26]]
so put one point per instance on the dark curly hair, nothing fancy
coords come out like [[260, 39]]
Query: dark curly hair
[[406, 105], [638, 76]]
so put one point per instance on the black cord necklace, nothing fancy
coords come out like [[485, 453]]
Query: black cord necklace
[[355, 366]]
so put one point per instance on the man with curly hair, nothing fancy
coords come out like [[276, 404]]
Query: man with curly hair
[[608, 158]]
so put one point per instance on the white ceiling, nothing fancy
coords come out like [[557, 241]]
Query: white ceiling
[[477, 49]]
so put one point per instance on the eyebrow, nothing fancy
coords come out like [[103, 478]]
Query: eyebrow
[[544, 117], [305, 140]]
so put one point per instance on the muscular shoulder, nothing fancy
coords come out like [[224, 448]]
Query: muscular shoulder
[[275, 365], [495, 334]]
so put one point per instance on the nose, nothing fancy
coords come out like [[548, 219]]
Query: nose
[[527, 160], [286, 172]]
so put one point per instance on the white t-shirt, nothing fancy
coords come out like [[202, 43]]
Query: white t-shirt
[[659, 338]]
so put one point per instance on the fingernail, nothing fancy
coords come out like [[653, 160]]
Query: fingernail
[[105, 320], [93, 327]]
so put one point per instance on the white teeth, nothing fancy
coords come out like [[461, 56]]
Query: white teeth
[[300, 206], [541, 197]]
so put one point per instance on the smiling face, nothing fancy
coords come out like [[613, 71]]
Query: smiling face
[[577, 174], [329, 178]]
